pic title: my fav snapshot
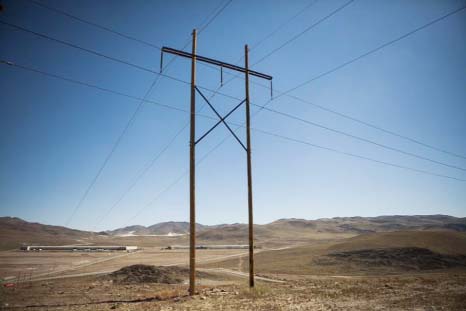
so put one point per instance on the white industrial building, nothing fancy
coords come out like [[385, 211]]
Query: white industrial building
[[79, 248]]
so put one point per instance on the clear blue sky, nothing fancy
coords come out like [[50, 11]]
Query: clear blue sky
[[55, 135]]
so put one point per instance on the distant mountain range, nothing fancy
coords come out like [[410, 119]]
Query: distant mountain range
[[163, 228], [330, 225], [15, 231]]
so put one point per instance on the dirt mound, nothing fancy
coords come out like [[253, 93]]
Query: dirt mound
[[443, 242], [150, 274], [406, 258]]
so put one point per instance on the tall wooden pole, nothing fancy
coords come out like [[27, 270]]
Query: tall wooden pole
[[248, 151], [192, 176]]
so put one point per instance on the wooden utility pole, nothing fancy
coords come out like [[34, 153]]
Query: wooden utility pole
[[248, 153], [192, 175], [193, 142]]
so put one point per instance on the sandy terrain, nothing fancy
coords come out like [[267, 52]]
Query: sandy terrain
[[376, 271], [443, 291]]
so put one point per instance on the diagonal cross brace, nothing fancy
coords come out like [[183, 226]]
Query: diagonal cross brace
[[222, 120]]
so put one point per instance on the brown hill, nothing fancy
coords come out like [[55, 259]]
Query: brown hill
[[373, 224], [444, 242], [439, 248], [15, 232]]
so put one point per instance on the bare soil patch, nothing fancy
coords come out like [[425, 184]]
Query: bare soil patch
[[136, 274], [406, 258]]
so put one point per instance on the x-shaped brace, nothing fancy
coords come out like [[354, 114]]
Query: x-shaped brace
[[222, 120]]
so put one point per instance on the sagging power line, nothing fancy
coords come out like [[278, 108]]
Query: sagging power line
[[287, 115], [116, 144], [353, 60], [184, 174], [405, 137], [291, 96]]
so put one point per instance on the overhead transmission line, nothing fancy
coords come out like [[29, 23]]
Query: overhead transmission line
[[276, 30], [149, 165], [346, 116], [315, 124], [359, 57], [360, 121], [203, 26], [379, 47], [307, 29], [118, 60], [349, 117], [363, 122], [392, 42], [287, 115], [355, 155], [80, 202], [295, 37], [254, 46], [99, 26], [179, 80], [171, 185], [283, 137], [299, 99]]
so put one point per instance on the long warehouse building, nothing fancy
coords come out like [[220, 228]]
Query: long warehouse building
[[79, 248]]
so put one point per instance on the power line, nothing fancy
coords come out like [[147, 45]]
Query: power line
[[201, 29], [118, 33], [346, 116], [280, 95], [185, 173], [290, 116], [90, 85], [226, 138], [157, 156], [139, 67], [413, 140], [290, 40], [86, 50], [378, 48], [287, 115], [138, 108], [115, 146], [103, 89], [304, 31], [140, 175], [280, 27], [356, 155], [204, 26], [261, 107], [175, 182]]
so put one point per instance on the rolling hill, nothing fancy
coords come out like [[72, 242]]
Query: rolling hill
[[293, 228], [387, 252], [15, 232]]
